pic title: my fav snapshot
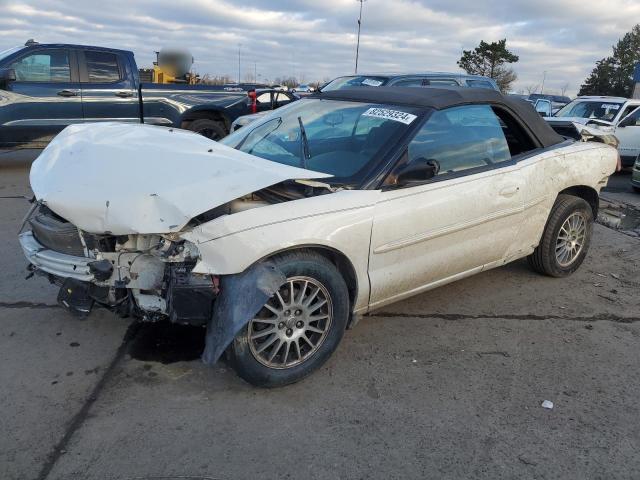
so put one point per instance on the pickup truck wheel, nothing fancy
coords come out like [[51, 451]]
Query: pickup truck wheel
[[298, 329], [566, 238], [208, 128]]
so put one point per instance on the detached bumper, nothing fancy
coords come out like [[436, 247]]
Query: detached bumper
[[55, 263]]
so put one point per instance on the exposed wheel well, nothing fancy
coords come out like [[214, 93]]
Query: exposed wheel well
[[209, 114], [588, 194], [342, 263]]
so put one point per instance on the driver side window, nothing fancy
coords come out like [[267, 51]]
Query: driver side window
[[633, 120], [461, 138]]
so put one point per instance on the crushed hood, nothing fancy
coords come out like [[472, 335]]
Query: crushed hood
[[122, 178]]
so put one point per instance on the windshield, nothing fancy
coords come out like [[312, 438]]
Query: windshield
[[355, 81], [5, 53], [601, 110], [329, 136]]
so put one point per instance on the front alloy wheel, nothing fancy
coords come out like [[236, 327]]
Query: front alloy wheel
[[298, 328], [292, 325]]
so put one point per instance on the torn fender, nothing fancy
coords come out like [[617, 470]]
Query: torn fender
[[125, 179], [241, 297]]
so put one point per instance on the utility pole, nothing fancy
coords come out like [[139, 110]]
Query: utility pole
[[255, 71], [239, 46], [544, 77], [359, 25]]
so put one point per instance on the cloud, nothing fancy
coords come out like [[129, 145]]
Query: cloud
[[315, 40]]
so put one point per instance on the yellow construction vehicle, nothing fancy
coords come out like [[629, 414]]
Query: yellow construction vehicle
[[171, 66]]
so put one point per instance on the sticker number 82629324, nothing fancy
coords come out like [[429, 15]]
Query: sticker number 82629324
[[388, 114]]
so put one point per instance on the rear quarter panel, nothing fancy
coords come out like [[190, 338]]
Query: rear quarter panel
[[577, 164]]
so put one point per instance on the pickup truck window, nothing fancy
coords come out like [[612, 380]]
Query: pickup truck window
[[43, 66], [102, 67]]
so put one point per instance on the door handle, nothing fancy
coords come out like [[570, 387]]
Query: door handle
[[68, 93], [509, 191], [124, 94]]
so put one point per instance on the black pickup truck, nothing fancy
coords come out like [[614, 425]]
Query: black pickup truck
[[45, 87]]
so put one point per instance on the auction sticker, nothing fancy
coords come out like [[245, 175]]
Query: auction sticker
[[395, 115]]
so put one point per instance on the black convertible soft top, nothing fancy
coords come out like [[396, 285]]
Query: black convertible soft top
[[440, 98]]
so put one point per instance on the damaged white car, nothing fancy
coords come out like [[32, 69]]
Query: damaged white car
[[284, 234]]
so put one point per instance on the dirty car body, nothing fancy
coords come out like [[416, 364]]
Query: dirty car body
[[293, 227]]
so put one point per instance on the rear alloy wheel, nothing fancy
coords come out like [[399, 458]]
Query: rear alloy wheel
[[208, 128], [298, 328], [566, 238]]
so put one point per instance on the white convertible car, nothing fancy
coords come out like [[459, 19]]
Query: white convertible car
[[282, 235]]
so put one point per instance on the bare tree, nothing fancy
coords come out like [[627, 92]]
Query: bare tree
[[532, 88]]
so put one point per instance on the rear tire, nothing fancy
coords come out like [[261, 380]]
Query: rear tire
[[288, 339], [636, 189], [566, 238], [208, 128]]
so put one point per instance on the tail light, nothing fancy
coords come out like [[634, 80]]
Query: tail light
[[253, 101]]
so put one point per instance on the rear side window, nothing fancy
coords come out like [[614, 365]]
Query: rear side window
[[43, 66], [480, 84], [461, 138], [102, 67]]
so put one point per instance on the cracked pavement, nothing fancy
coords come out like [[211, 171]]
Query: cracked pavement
[[447, 384]]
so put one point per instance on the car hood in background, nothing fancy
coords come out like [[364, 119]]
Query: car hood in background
[[121, 178], [579, 120]]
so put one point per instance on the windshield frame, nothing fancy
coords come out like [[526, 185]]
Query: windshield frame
[[365, 177], [9, 51]]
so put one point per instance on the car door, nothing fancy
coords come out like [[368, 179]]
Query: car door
[[44, 98], [628, 133], [108, 88], [465, 217]]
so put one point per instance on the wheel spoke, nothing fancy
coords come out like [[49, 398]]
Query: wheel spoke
[[275, 350], [311, 297], [284, 305], [262, 333], [266, 344], [316, 306], [302, 291], [286, 352], [272, 309], [314, 329]]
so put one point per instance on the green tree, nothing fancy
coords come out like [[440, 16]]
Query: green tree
[[490, 60], [614, 75]]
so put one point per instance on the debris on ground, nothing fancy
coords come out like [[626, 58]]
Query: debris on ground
[[547, 404]]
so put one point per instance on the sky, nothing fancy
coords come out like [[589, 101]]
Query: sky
[[315, 40]]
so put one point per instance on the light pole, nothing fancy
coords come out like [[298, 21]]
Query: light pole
[[359, 25], [239, 46], [544, 77]]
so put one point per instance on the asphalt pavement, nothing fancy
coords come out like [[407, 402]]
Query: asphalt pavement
[[447, 384]]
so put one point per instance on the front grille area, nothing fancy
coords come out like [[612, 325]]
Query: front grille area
[[56, 233]]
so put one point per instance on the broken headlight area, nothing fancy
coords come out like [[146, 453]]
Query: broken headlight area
[[146, 276]]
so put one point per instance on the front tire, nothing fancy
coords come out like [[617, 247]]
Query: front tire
[[566, 238], [298, 328]]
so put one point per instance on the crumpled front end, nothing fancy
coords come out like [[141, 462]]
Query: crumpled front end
[[147, 276]]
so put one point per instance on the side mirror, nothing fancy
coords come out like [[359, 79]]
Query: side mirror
[[418, 171], [7, 75]]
